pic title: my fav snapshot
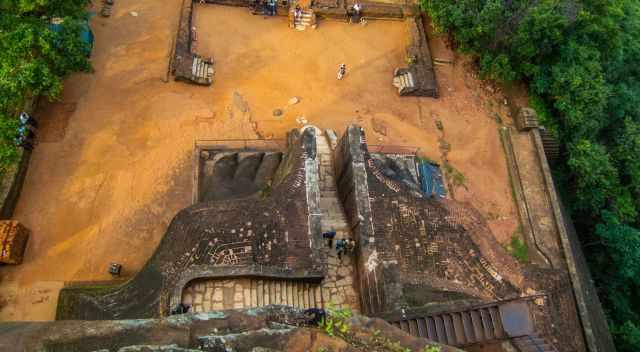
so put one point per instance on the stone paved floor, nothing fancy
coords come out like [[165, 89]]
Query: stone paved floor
[[336, 290]]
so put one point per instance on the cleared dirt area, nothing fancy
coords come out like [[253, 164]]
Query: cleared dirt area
[[114, 164]]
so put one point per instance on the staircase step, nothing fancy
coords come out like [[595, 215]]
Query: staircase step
[[422, 327], [448, 329], [431, 329], [458, 328], [410, 79], [260, 291], [486, 324], [476, 322], [497, 323], [469, 331], [413, 327], [440, 333]]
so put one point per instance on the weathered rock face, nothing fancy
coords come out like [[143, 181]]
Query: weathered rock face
[[273, 328], [276, 236]]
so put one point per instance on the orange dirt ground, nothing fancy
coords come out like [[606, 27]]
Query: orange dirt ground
[[114, 162]]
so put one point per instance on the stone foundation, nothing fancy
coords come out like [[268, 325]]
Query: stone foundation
[[419, 78]]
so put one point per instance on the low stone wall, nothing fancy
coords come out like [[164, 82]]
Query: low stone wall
[[351, 179], [183, 58], [272, 328], [12, 183], [537, 255], [593, 319]]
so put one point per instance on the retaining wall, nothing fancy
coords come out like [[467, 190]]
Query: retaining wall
[[592, 317]]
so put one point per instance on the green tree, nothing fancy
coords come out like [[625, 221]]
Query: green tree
[[579, 60], [35, 58]]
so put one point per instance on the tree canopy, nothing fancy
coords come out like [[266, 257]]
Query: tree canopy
[[577, 57], [35, 58]]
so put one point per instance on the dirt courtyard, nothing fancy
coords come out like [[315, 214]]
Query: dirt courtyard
[[114, 162]]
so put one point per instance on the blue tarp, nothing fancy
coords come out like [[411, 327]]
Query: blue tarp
[[431, 181]]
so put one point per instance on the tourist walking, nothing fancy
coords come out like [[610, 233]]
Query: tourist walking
[[355, 13], [181, 308], [342, 71], [329, 236], [350, 246], [28, 120], [24, 143], [297, 13], [313, 316], [272, 5], [340, 247]]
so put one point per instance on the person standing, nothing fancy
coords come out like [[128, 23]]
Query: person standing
[[297, 13], [340, 246], [355, 13], [342, 71], [314, 316], [273, 7], [329, 236], [350, 246], [28, 120]]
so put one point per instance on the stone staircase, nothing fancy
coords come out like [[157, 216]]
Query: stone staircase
[[307, 20], [550, 145], [202, 70], [333, 215], [403, 80], [480, 324], [533, 343], [239, 293], [457, 328]]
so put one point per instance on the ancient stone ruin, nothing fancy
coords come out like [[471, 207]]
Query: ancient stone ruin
[[254, 239], [418, 79]]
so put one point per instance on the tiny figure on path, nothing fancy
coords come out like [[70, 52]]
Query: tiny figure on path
[[28, 120], [297, 13], [340, 247], [313, 316], [350, 246], [181, 308], [355, 13], [342, 71], [24, 143], [273, 5], [329, 236]]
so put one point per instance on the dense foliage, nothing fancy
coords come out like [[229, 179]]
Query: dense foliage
[[34, 58], [578, 58]]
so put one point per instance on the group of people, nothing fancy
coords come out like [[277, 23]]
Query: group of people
[[26, 131], [343, 245], [269, 7]]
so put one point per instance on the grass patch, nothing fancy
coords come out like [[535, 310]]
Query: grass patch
[[518, 248], [67, 300], [456, 177]]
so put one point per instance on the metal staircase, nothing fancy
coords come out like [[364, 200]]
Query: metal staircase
[[457, 328], [486, 323]]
